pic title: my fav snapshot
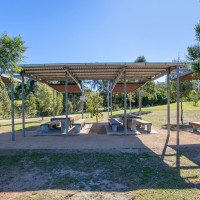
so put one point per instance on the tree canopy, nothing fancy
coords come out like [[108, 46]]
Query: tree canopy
[[194, 52], [95, 102], [11, 54]]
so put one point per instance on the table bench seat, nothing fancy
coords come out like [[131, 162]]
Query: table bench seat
[[79, 124], [53, 124], [195, 125], [114, 123], [142, 123]]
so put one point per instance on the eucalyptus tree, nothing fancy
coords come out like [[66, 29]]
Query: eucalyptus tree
[[11, 54], [194, 52]]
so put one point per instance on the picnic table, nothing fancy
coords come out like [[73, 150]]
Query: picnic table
[[131, 120], [63, 118]]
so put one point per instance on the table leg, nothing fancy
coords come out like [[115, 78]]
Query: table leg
[[133, 125], [129, 123], [63, 126]]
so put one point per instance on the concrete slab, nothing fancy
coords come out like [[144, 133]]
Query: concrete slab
[[120, 131], [57, 132]]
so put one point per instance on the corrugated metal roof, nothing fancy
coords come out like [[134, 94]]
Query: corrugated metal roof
[[72, 88], [98, 71], [130, 87]]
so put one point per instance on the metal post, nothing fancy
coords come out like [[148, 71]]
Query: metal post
[[125, 117], [130, 102], [82, 100], [108, 99], [53, 103], [178, 100], [140, 101], [168, 101], [12, 111], [23, 113], [111, 103], [66, 103]]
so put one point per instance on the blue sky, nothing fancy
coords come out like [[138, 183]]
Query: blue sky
[[63, 31]]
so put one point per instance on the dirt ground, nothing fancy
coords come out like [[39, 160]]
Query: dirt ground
[[97, 140]]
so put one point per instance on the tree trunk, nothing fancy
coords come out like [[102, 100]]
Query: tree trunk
[[182, 110], [42, 115]]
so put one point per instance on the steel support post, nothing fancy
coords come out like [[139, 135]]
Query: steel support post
[[178, 101], [12, 111], [168, 101], [108, 98], [66, 103], [125, 117], [53, 103], [130, 102], [111, 103], [23, 112], [140, 101], [82, 96]]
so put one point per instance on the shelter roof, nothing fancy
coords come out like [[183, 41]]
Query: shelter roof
[[6, 79], [72, 88], [98, 71], [188, 76], [130, 87]]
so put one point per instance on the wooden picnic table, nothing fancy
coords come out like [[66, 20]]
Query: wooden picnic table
[[63, 118], [131, 120]]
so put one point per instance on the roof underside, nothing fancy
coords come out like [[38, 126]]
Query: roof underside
[[98, 71], [190, 76], [72, 88], [130, 87]]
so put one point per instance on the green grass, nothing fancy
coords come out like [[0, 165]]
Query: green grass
[[140, 176], [156, 114], [30, 124]]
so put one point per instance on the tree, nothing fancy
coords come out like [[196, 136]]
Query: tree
[[44, 98], [140, 59], [194, 97], [95, 102], [149, 94], [58, 103], [87, 92], [5, 109], [11, 53], [30, 104], [194, 52], [185, 87]]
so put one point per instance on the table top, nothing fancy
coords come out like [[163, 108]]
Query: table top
[[70, 117], [129, 116]]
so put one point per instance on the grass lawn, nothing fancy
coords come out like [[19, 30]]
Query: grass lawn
[[126, 176], [31, 124], [156, 114]]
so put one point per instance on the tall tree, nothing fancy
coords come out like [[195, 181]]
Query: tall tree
[[11, 53], [58, 102], [194, 52], [185, 88], [30, 104], [140, 59], [95, 102], [44, 98], [5, 109]]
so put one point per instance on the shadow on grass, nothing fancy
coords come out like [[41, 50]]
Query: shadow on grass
[[192, 152], [120, 172], [91, 171]]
